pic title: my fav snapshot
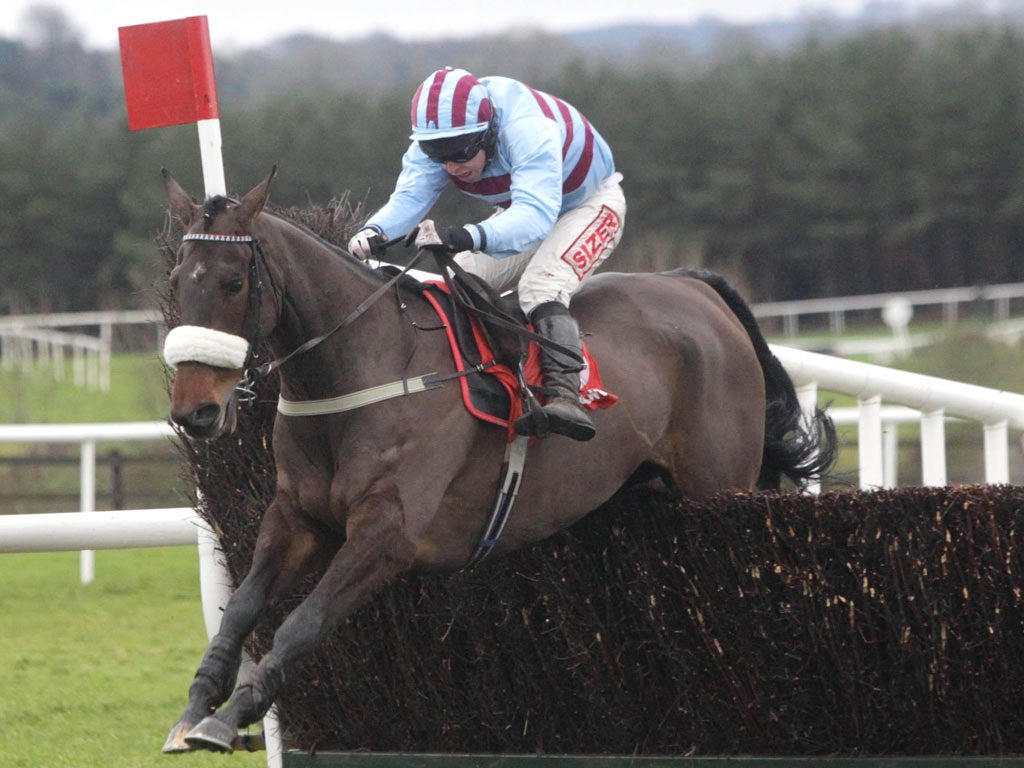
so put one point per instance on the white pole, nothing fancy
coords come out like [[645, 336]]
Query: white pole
[[890, 453], [87, 503], [997, 456], [869, 442], [807, 394], [213, 161], [933, 448], [215, 588]]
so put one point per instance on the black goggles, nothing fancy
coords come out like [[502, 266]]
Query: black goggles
[[457, 149]]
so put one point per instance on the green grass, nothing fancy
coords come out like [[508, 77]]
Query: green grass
[[35, 396], [96, 675], [138, 392]]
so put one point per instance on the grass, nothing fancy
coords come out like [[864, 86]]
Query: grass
[[96, 675], [138, 392], [35, 396]]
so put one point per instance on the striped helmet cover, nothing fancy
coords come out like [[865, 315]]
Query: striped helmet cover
[[451, 102]]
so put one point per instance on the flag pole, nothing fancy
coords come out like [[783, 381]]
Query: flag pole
[[169, 80], [212, 158]]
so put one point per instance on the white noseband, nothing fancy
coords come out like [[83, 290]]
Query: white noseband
[[195, 344]]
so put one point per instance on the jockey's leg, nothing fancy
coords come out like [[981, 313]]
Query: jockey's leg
[[563, 413], [579, 242]]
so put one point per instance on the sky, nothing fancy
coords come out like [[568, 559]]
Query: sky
[[248, 23]]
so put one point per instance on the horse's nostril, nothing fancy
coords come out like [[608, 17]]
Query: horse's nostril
[[205, 416]]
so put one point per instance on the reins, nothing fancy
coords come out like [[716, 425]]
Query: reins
[[354, 315], [246, 387]]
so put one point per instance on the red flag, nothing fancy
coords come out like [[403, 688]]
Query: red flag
[[168, 73]]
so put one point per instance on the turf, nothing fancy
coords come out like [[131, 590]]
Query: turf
[[96, 675]]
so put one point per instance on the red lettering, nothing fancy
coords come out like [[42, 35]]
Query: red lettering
[[592, 242]]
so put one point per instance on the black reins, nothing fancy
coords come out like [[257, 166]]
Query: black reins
[[246, 387]]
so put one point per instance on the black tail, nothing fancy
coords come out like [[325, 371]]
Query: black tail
[[801, 451]]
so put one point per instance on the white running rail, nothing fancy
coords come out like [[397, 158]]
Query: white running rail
[[934, 398]]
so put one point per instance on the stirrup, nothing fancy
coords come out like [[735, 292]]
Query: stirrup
[[533, 423], [575, 425], [540, 422]]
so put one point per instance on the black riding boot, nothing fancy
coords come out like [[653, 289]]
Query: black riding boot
[[562, 412]]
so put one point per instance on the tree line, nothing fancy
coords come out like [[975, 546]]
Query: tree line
[[890, 160]]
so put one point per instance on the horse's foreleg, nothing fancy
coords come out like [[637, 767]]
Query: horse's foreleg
[[368, 560], [278, 562]]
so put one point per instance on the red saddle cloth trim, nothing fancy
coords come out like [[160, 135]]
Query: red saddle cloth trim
[[593, 395]]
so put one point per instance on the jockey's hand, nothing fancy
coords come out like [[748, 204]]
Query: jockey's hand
[[428, 235], [459, 239], [366, 243]]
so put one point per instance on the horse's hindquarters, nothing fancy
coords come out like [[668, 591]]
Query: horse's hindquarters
[[691, 389]]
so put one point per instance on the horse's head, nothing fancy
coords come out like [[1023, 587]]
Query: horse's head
[[216, 288]]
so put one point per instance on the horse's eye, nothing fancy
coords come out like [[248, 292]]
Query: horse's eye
[[235, 286]]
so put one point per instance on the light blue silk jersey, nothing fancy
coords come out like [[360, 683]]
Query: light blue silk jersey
[[548, 159]]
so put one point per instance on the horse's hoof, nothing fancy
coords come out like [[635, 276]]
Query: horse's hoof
[[176, 741], [212, 734]]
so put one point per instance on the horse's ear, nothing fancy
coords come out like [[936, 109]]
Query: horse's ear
[[254, 200], [182, 204]]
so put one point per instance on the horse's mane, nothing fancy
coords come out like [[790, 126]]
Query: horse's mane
[[333, 224]]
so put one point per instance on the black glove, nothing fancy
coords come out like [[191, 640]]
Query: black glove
[[366, 243], [458, 239]]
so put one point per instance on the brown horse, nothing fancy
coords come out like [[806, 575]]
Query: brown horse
[[405, 485]]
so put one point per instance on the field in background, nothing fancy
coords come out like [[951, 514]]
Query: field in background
[[45, 478], [130, 475], [97, 675]]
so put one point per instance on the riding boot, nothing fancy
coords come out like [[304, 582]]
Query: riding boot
[[562, 412]]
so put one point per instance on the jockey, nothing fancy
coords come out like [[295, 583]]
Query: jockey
[[560, 208]]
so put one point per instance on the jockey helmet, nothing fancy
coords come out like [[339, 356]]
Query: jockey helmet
[[451, 102]]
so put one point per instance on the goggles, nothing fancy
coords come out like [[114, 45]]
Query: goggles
[[457, 149]]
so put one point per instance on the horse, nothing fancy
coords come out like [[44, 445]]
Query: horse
[[404, 485]]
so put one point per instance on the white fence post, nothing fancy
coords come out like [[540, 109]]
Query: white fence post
[[997, 459], [869, 442], [933, 448], [890, 454], [807, 394], [87, 503]]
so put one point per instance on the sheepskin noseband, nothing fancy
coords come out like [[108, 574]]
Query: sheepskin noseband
[[193, 343]]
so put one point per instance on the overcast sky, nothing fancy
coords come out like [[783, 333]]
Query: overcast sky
[[246, 23]]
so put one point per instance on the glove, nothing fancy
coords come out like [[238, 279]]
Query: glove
[[428, 235], [366, 243], [458, 239]]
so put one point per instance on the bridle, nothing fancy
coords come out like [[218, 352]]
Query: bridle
[[251, 328], [245, 389]]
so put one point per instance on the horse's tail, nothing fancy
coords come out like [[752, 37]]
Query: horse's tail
[[802, 449]]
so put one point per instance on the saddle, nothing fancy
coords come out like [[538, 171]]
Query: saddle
[[495, 349]]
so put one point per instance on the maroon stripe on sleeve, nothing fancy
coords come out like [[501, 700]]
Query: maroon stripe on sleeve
[[543, 104], [563, 110], [579, 173]]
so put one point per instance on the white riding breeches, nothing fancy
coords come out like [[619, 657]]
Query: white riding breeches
[[553, 271]]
